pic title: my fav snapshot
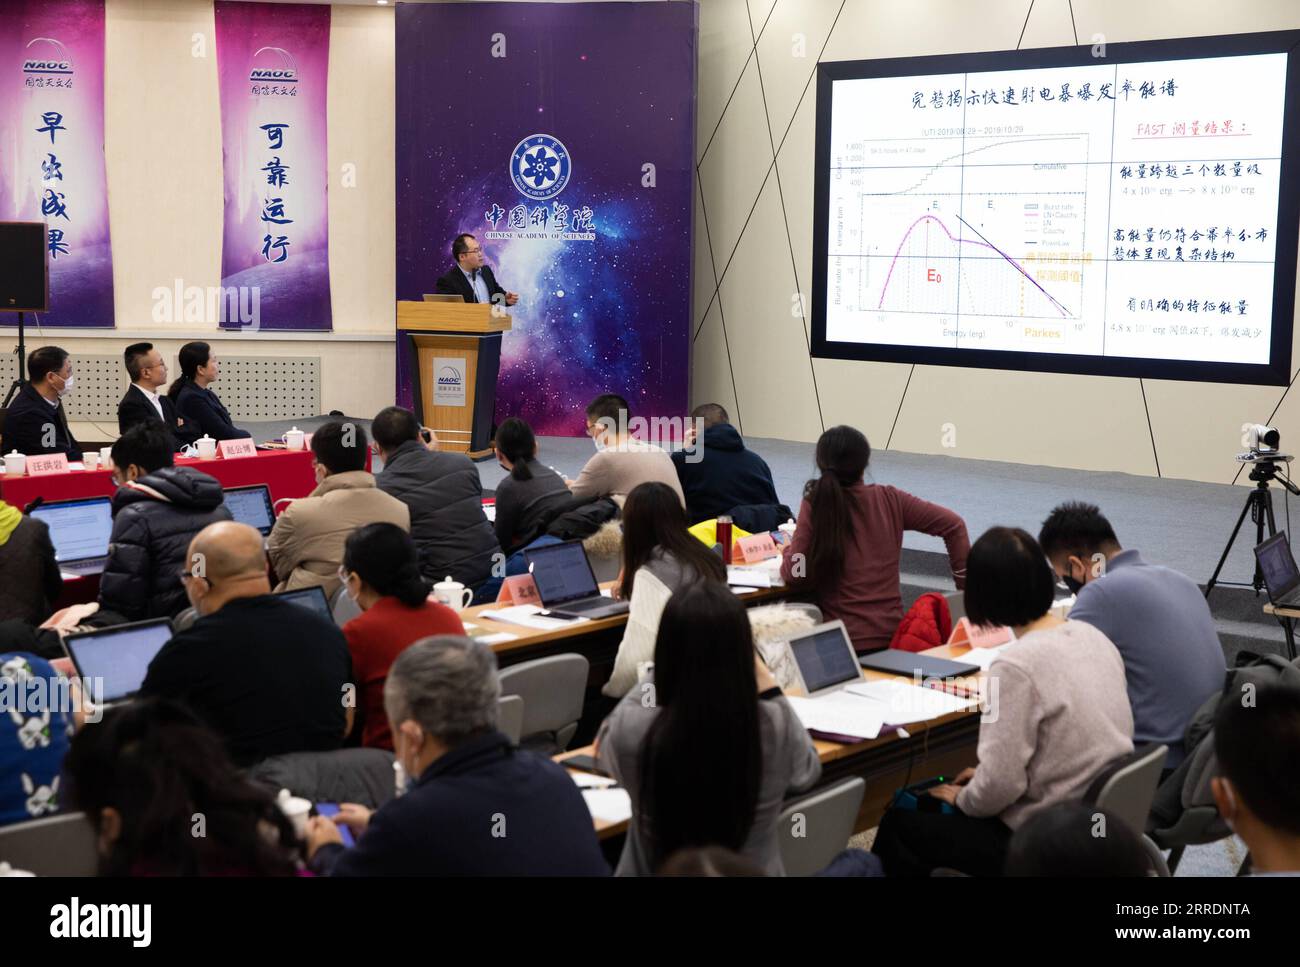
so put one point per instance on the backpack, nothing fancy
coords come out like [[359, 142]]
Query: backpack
[[927, 624]]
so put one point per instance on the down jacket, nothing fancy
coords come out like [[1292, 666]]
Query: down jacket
[[154, 520]]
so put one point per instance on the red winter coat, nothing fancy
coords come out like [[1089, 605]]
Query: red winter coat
[[927, 624]]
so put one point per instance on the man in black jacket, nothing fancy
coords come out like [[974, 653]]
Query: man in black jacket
[[445, 497], [719, 474], [157, 510], [476, 805], [35, 422], [470, 278], [143, 403]]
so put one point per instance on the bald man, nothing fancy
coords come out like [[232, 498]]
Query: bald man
[[270, 676]]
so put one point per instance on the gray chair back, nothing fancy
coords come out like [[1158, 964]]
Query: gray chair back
[[184, 620], [360, 775], [510, 717], [956, 605], [1125, 789], [62, 845], [553, 689], [343, 608], [815, 829]]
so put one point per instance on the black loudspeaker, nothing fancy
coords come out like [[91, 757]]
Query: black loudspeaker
[[24, 268]]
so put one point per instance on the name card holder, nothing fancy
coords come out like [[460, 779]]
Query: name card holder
[[47, 463], [757, 547], [519, 589], [237, 448]]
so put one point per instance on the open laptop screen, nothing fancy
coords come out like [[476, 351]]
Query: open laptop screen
[[79, 529], [119, 655], [1277, 565], [313, 599], [825, 657], [251, 506], [561, 573]]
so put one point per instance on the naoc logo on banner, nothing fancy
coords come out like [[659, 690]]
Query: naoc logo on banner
[[272, 68], [540, 166], [47, 63]]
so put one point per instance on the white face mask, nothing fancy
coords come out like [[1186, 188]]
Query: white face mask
[[68, 385]]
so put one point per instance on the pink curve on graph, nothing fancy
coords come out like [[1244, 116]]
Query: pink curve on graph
[[964, 241]]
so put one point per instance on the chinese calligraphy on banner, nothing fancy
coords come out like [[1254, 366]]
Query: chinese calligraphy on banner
[[52, 135], [273, 61]]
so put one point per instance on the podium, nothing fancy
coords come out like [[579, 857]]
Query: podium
[[454, 355]]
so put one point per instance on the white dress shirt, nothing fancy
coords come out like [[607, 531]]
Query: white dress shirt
[[153, 398]]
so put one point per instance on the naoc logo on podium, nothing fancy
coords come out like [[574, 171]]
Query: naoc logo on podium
[[46, 63], [448, 381], [540, 166]]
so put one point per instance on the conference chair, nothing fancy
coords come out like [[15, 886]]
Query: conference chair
[[1197, 821], [956, 605], [815, 829], [62, 845], [1125, 790], [360, 775], [510, 717], [552, 689], [184, 620], [342, 607]]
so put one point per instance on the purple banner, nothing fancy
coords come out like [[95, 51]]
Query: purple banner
[[561, 135], [273, 66], [52, 146]]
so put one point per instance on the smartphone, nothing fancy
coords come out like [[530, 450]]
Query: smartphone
[[426, 434], [583, 763], [329, 810]]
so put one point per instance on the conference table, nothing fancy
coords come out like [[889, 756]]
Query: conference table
[[942, 746]]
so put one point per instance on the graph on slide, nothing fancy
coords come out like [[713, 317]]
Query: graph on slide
[[1119, 210]]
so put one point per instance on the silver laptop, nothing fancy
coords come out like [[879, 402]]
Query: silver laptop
[[566, 583], [79, 530], [118, 656], [441, 297], [824, 659]]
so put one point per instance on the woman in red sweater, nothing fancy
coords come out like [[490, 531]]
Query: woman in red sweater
[[849, 539], [381, 572]]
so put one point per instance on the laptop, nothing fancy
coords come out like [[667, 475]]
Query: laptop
[[441, 297], [251, 506], [1281, 576], [119, 656], [79, 530], [313, 599], [824, 659], [566, 583]]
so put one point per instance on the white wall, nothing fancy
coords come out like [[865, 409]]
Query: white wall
[[754, 248]]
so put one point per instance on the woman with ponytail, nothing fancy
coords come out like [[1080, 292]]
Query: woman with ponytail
[[381, 573], [528, 499], [197, 404], [849, 540]]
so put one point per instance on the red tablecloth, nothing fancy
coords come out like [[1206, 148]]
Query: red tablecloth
[[288, 473]]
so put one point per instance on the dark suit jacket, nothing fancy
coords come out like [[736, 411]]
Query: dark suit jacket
[[455, 283], [201, 410], [25, 422], [136, 408]]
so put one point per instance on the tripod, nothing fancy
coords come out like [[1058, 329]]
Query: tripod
[[1259, 504], [21, 352]]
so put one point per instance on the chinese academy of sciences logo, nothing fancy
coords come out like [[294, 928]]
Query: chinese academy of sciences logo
[[540, 167]]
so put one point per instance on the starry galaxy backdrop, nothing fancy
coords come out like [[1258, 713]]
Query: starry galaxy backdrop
[[615, 82]]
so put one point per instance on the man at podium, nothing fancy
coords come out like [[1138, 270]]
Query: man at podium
[[471, 279]]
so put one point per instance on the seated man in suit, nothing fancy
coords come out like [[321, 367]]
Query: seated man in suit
[[143, 403], [35, 422], [467, 782], [471, 279], [268, 675]]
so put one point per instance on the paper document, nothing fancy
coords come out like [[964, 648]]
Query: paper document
[[840, 713], [900, 703], [589, 780], [983, 657], [757, 576], [609, 805], [528, 615]]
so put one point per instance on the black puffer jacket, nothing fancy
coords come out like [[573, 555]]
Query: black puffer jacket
[[154, 520], [445, 496]]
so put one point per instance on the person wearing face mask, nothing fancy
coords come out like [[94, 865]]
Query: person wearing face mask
[[1156, 617], [157, 510], [1257, 745], [268, 675], [381, 573], [195, 402], [35, 422], [621, 461], [306, 543], [475, 805]]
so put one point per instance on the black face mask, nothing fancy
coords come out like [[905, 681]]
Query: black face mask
[[1071, 583]]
